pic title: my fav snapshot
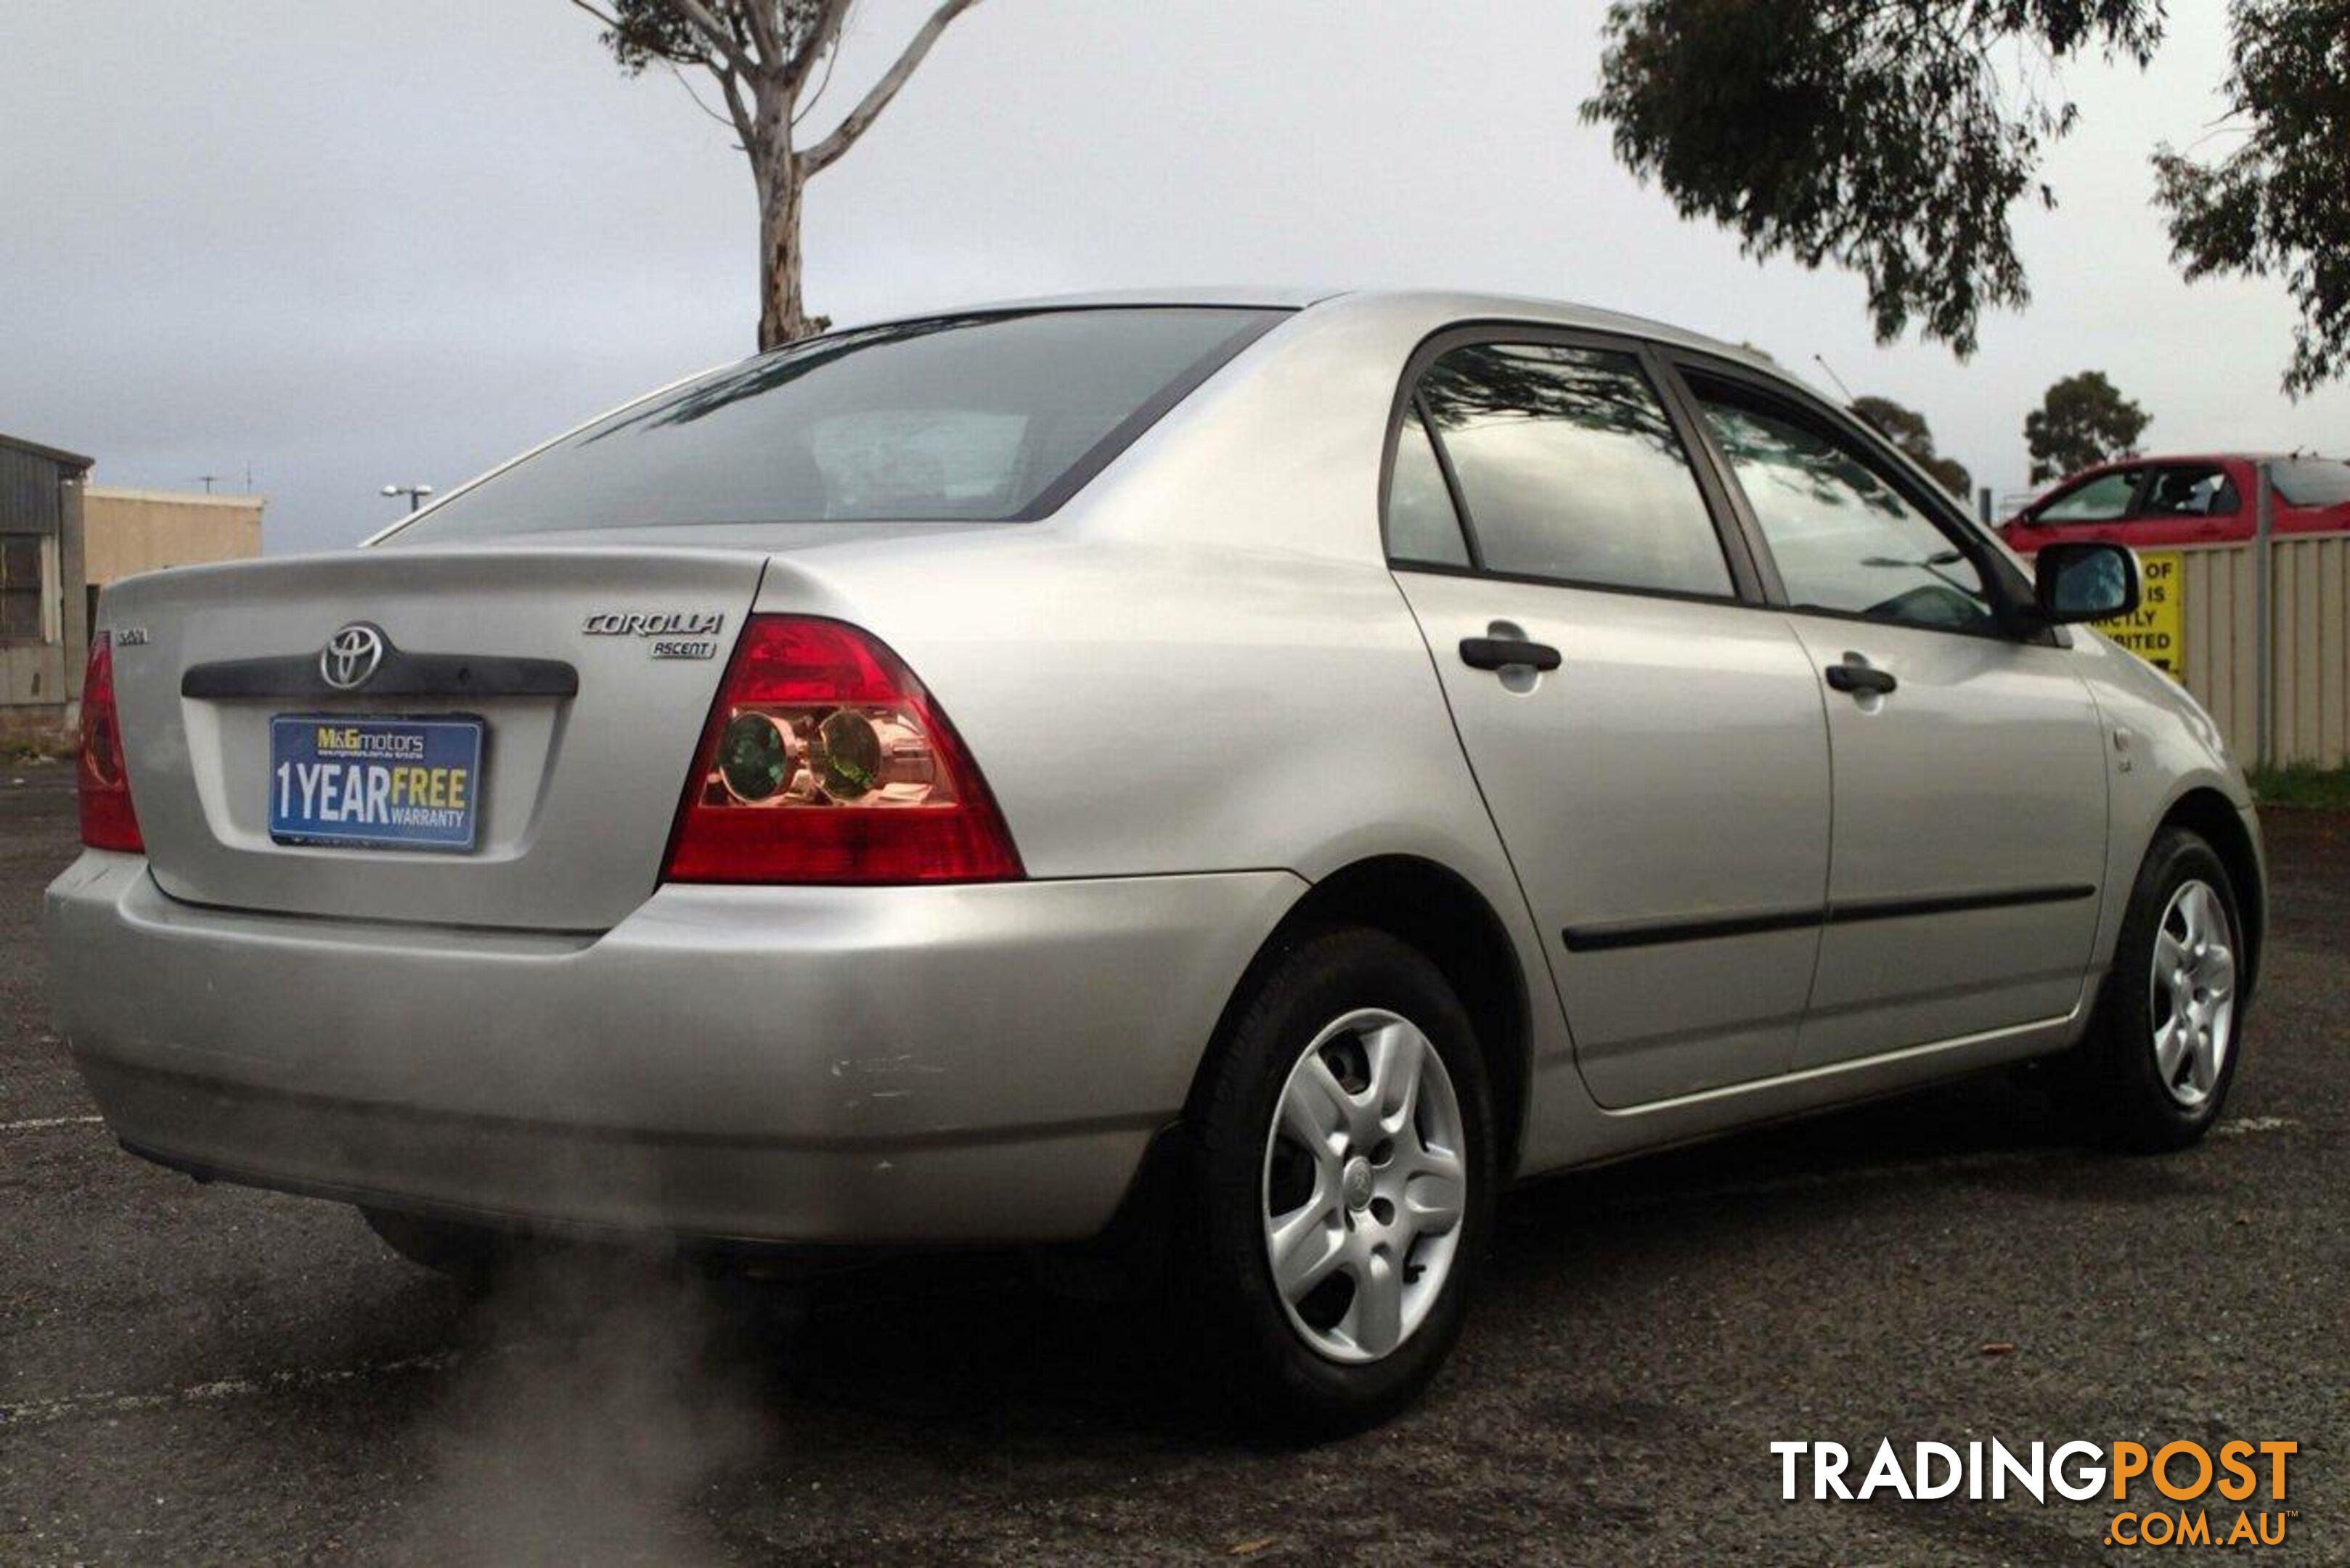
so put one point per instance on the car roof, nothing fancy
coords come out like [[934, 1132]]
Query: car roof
[[1435, 308], [2158, 459]]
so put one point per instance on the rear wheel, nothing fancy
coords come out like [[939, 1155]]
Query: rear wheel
[[2155, 1072], [1340, 1184]]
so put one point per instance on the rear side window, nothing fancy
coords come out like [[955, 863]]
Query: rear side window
[[2188, 490], [1570, 469], [1422, 525], [2312, 481], [959, 419]]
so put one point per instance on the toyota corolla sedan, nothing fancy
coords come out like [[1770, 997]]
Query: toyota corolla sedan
[[1256, 773]]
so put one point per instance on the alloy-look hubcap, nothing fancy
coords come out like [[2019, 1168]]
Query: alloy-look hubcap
[[2192, 999], [1366, 1186]]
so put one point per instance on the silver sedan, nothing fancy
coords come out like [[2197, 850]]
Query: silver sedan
[[1230, 780]]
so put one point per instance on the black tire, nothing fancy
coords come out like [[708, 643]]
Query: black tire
[[1278, 1380], [469, 1255], [2112, 1079]]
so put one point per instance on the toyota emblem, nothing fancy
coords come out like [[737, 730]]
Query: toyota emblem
[[351, 656]]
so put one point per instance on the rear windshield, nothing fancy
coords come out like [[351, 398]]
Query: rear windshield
[[957, 419], [2310, 480]]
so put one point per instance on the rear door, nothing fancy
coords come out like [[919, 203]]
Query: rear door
[[1970, 772], [1649, 741], [2187, 503]]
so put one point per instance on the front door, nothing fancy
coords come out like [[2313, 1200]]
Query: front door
[[1968, 759], [1649, 741]]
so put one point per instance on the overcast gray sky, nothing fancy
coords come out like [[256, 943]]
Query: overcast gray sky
[[351, 244]]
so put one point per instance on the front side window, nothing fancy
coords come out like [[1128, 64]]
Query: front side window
[[1570, 469], [2188, 490], [1844, 538], [957, 419], [2105, 499], [20, 587]]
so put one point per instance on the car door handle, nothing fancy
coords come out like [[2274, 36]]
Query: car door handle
[[1501, 652], [1861, 678]]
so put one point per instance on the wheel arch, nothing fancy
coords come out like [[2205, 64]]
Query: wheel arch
[[1441, 914], [2213, 817]]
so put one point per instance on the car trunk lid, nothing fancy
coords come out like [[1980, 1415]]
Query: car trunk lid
[[589, 671]]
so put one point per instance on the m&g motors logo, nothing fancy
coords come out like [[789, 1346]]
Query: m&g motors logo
[[2169, 1494]]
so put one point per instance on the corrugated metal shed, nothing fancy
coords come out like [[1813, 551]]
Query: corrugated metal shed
[[29, 476], [40, 676]]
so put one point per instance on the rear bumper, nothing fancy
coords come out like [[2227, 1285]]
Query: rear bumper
[[802, 1064]]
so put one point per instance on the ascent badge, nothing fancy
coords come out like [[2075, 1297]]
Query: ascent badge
[[670, 634]]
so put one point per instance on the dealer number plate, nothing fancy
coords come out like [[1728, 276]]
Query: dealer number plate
[[383, 783]]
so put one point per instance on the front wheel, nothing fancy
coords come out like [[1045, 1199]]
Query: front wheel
[[1341, 1183], [2162, 1053]]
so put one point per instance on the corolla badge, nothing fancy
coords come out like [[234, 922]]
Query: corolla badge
[[654, 623], [668, 634], [351, 656]]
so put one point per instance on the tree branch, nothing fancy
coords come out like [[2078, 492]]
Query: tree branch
[[609, 21], [823, 42], [696, 97], [860, 118], [761, 17], [807, 104], [738, 110], [721, 39]]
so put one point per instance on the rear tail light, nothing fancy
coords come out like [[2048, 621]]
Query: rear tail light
[[826, 760], [107, 818]]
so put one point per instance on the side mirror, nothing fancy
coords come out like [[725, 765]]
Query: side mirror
[[2085, 582]]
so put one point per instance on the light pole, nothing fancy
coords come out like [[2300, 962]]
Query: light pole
[[415, 493]]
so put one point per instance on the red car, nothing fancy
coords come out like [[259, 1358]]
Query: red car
[[2159, 502]]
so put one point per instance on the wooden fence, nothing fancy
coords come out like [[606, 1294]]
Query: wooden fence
[[2309, 705]]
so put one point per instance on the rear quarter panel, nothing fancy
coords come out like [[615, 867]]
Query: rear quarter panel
[[1203, 664]]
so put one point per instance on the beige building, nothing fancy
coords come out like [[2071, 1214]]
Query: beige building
[[61, 540], [126, 532]]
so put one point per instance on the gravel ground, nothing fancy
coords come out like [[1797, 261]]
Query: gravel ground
[[193, 1373]]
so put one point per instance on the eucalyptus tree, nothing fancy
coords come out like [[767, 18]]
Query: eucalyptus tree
[[769, 60]]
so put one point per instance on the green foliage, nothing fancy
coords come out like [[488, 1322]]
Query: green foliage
[[2280, 202], [2304, 784], [1907, 428], [2083, 421], [1876, 134], [651, 32]]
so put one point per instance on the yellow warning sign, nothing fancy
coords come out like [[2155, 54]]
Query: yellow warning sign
[[2156, 631]]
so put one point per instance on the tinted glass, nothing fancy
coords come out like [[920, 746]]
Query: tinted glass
[[959, 419], [2188, 490], [2105, 499], [2311, 481], [1570, 469], [1844, 538], [1421, 523]]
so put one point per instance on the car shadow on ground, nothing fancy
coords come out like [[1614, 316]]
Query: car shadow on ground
[[975, 1344], [628, 1407]]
